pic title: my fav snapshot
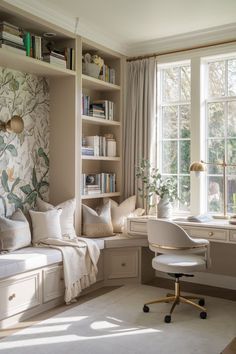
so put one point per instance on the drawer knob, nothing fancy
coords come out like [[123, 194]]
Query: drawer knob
[[123, 264], [11, 297], [211, 233]]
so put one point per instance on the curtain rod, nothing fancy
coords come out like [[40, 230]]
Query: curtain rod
[[179, 50]]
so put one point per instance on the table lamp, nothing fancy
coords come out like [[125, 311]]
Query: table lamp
[[200, 166]]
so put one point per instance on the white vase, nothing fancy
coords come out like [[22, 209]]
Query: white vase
[[164, 208]]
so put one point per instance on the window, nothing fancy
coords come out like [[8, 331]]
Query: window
[[221, 131], [174, 127]]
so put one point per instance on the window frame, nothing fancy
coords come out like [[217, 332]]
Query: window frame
[[198, 59]]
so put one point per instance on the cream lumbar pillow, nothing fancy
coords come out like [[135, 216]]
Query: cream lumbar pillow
[[119, 213], [46, 225], [66, 218], [97, 225], [14, 232]]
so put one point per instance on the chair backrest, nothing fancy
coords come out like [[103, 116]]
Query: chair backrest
[[167, 236]]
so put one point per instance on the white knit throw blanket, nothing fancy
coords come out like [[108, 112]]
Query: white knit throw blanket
[[80, 257]]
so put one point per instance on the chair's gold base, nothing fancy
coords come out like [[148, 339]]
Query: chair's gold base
[[177, 298]]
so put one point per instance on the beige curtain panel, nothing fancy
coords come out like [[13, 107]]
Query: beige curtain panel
[[139, 124]]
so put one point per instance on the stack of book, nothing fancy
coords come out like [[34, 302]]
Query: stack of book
[[102, 109], [11, 38], [98, 183], [87, 151], [55, 58]]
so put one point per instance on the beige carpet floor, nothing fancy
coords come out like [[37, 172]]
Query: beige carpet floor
[[114, 323]]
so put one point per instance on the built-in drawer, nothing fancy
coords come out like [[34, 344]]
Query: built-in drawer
[[53, 283], [208, 233], [232, 235], [19, 293], [122, 263], [137, 227]]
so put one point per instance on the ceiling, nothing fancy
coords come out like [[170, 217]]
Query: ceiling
[[135, 23]]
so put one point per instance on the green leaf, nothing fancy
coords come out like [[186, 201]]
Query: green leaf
[[42, 154], [31, 198], [11, 148], [15, 184], [4, 180], [34, 179], [13, 199], [26, 189]]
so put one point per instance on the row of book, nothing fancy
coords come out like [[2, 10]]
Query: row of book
[[98, 183], [103, 109], [108, 74], [98, 146], [26, 43]]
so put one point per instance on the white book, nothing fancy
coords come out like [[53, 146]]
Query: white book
[[11, 37], [13, 49]]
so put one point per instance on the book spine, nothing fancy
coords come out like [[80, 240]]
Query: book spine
[[27, 43]]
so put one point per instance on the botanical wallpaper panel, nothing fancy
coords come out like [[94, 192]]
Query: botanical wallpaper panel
[[24, 158]]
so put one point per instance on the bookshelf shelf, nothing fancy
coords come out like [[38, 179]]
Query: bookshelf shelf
[[15, 61], [100, 158], [100, 121], [89, 82], [103, 195]]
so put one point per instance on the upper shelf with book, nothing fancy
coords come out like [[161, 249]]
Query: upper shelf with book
[[38, 40]]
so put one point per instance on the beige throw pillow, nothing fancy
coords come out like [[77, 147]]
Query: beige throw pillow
[[97, 225], [45, 225], [67, 215], [14, 232], [119, 213]]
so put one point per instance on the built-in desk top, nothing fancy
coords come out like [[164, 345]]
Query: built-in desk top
[[216, 230]]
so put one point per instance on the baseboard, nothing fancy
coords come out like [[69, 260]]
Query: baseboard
[[195, 288], [217, 280]]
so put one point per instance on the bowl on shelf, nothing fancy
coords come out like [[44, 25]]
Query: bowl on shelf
[[91, 69]]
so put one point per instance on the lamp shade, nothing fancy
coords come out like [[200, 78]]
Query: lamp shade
[[197, 166]]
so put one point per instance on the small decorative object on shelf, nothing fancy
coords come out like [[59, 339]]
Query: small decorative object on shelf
[[154, 187], [93, 65], [11, 38], [97, 183]]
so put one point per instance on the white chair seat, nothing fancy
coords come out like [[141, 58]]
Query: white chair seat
[[173, 263]]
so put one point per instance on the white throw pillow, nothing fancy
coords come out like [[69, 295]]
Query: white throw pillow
[[14, 232], [46, 225], [120, 212], [97, 225], [67, 215]]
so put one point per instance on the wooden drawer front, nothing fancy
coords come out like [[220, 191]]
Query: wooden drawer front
[[122, 263], [208, 233], [138, 227], [19, 294], [53, 283], [232, 236]]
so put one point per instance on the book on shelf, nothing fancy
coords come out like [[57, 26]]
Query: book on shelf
[[92, 141], [106, 106], [15, 48], [85, 104], [108, 74], [98, 183], [87, 151], [10, 29], [100, 145], [11, 37], [52, 59]]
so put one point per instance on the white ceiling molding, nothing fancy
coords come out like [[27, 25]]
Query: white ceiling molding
[[88, 30], [184, 41], [69, 24]]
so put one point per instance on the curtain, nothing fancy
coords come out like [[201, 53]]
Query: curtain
[[139, 125]]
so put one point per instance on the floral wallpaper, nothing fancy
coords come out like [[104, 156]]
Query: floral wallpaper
[[24, 158]]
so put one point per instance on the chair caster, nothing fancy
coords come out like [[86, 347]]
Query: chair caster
[[203, 315], [167, 319], [201, 302], [145, 308]]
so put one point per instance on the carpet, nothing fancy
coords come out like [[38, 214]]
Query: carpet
[[114, 323]]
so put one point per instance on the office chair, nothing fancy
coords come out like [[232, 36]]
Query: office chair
[[178, 255]]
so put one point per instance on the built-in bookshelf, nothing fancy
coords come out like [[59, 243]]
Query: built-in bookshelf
[[98, 94]]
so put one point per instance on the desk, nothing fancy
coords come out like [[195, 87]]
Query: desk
[[216, 230]]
